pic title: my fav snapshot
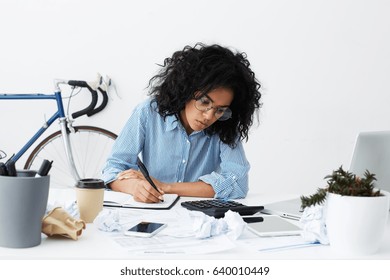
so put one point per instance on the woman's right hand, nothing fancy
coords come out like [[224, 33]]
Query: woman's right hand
[[133, 182], [144, 192]]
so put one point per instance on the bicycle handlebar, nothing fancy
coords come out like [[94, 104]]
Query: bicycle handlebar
[[90, 110], [93, 92], [102, 106]]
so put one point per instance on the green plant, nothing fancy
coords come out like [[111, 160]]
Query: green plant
[[343, 183]]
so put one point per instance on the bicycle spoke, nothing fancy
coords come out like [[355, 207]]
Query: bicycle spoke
[[90, 147], [102, 155]]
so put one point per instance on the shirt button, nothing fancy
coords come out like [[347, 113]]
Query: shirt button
[[179, 181], [188, 141], [184, 161]]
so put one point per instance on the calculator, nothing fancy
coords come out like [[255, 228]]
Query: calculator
[[217, 207]]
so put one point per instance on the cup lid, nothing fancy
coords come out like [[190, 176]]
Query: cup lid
[[90, 183]]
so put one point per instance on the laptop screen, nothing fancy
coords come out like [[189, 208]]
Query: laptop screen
[[372, 153]]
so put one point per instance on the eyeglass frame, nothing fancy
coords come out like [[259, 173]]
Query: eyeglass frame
[[226, 109]]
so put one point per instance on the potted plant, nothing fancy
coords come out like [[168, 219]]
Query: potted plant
[[356, 212]]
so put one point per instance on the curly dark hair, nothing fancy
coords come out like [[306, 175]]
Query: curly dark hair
[[202, 69]]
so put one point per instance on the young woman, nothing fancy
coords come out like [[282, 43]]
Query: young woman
[[189, 132]]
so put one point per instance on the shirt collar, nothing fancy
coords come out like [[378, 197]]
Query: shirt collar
[[172, 123]]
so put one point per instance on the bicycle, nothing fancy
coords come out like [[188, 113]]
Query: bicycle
[[76, 151]]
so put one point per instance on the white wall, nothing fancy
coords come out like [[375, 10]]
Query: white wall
[[324, 67]]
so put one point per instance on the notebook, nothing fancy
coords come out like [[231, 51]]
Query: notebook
[[124, 200], [371, 152]]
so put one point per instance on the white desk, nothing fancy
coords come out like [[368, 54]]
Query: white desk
[[94, 244]]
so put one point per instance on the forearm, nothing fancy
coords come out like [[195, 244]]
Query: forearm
[[195, 189], [128, 181], [126, 186]]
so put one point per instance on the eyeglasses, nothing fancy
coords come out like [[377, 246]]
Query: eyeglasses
[[204, 104]]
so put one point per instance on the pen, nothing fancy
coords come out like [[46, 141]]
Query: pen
[[10, 165], [145, 172], [252, 219], [3, 169], [44, 169]]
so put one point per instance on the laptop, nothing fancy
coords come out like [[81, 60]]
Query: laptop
[[290, 209], [371, 152]]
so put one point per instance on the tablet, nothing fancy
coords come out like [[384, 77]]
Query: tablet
[[273, 225]]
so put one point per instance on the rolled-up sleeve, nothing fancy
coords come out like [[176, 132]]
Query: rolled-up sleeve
[[230, 181]]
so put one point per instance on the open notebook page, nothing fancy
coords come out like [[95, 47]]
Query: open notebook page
[[119, 199]]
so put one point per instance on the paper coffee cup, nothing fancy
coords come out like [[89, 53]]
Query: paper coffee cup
[[89, 196]]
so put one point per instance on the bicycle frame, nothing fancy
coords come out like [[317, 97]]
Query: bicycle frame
[[59, 114]]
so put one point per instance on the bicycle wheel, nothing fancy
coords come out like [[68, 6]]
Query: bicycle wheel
[[90, 148]]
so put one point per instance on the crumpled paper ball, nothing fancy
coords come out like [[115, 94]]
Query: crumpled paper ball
[[313, 224], [206, 226], [108, 220]]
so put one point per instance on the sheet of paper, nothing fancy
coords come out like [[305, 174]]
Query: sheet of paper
[[177, 238], [253, 242], [178, 220], [172, 245]]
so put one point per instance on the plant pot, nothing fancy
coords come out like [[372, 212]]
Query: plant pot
[[356, 225]]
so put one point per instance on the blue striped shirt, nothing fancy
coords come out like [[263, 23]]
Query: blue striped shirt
[[171, 155]]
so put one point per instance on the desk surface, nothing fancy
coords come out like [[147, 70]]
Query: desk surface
[[95, 244]]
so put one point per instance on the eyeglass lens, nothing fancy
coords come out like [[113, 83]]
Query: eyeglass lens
[[204, 104]]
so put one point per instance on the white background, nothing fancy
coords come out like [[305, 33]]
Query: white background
[[324, 67]]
